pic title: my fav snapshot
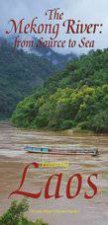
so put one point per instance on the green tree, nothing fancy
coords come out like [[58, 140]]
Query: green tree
[[15, 215]]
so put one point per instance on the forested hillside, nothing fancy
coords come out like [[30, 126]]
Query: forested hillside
[[76, 97], [20, 73]]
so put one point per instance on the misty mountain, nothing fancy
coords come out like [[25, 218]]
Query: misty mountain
[[57, 59], [54, 57], [20, 74]]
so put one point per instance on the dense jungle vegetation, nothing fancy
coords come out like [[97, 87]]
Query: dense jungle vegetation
[[76, 97]]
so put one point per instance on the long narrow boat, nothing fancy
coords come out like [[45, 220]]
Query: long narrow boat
[[60, 151]]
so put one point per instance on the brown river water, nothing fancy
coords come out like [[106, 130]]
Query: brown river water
[[78, 211]]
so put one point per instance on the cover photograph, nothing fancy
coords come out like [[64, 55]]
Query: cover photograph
[[54, 112]]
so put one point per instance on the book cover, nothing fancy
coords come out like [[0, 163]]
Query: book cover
[[53, 112]]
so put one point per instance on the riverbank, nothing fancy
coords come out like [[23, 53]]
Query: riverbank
[[76, 130]]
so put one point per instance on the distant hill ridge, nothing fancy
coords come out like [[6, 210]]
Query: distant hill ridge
[[44, 52]]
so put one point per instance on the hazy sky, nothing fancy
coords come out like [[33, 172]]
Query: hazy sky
[[88, 11]]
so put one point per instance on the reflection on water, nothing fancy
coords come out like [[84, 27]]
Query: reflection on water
[[13, 159]]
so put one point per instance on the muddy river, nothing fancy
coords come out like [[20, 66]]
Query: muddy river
[[62, 211]]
